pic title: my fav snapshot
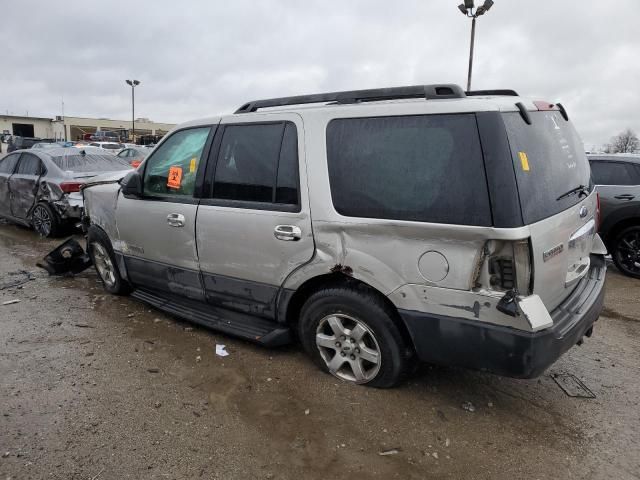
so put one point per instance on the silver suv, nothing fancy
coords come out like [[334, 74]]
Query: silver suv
[[377, 226]]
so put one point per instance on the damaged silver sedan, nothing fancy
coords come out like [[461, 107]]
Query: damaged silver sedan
[[41, 189]]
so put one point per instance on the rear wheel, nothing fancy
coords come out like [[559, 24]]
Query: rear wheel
[[351, 334], [626, 251], [45, 221], [104, 260]]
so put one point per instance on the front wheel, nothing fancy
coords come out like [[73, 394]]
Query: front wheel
[[101, 253], [351, 333], [626, 252]]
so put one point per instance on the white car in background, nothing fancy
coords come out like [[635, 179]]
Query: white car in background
[[112, 147]]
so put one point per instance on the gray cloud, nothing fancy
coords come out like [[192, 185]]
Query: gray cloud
[[200, 58]]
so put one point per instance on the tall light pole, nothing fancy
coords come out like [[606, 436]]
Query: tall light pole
[[467, 8], [134, 84]]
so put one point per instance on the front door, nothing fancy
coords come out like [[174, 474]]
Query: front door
[[157, 231], [23, 185], [254, 227], [7, 166]]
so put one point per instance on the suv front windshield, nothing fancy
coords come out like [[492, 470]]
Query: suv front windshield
[[549, 161]]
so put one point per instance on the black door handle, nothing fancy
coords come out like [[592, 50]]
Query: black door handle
[[626, 196]]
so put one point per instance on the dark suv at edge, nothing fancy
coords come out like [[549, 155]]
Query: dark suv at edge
[[617, 178]]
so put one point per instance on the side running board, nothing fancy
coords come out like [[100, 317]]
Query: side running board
[[258, 330]]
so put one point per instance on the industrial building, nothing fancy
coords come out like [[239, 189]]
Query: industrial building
[[75, 128]]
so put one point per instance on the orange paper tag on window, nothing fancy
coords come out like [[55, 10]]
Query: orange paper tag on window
[[175, 177]]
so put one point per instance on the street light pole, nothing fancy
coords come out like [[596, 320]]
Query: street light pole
[[473, 37], [133, 84], [467, 8]]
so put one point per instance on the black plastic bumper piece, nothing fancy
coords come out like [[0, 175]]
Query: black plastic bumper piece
[[507, 351]]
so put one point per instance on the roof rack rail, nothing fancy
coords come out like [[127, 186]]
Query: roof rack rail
[[428, 92], [503, 92]]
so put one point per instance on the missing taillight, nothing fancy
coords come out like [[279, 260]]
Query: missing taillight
[[507, 265]]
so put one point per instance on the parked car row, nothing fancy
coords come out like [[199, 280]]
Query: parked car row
[[40, 188], [378, 227]]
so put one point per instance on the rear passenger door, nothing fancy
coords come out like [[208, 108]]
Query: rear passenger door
[[23, 184], [7, 166], [618, 184], [254, 226]]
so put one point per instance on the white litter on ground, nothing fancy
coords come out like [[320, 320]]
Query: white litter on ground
[[220, 351]]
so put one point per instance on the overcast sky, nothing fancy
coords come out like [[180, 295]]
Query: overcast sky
[[201, 58]]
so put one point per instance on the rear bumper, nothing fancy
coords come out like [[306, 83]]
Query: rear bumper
[[507, 351]]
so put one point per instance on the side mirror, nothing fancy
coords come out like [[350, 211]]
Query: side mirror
[[132, 185]]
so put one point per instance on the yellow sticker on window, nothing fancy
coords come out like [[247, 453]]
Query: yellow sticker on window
[[192, 165], [524, 160]]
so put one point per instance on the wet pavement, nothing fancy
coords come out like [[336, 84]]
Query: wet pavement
[[97, 386]]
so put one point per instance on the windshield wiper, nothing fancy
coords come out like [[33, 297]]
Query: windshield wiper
[[581, 189]]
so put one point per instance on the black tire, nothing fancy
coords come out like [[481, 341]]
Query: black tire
[[626, 251], [45, 221], [104, 261], [350, 305]]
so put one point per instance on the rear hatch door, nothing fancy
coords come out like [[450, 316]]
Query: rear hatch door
[[557, 199]]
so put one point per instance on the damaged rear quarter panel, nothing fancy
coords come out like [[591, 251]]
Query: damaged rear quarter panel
[[385, 254]]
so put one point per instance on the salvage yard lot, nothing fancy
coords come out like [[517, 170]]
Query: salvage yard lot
[[97, 385]]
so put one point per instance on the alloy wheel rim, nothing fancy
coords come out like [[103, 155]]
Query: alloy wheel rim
[[103, 264], [41, 220], [348, 347], [628, 252]]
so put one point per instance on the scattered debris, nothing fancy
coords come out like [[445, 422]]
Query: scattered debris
[[17, 278], [11, 302], [447, 442], [153, 370], [572, 386], [468, 406], [220, 350], [6, 454], [68, 257], [188, 329], [198, 359], [157, 404], [490, 404], [131, 315], [435, 455], [307, 412], [393, 451], [83, 325], [157, 320]]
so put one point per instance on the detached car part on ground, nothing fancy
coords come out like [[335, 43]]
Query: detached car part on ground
[[379, 227], [617, 179], [41, 188]]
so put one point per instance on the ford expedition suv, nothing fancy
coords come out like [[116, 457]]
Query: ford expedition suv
[[376, 227]]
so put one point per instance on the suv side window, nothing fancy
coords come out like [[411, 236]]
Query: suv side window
[[171, 170], [8, 163], [426, 168], [258, 163], [613, 173], [29, 165]]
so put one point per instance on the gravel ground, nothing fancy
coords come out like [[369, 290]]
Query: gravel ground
[[96, 386]]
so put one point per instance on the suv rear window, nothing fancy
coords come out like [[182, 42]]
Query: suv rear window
[[549, 160], [425, 168]]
